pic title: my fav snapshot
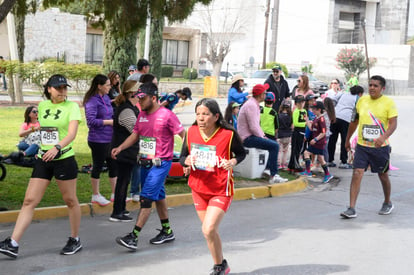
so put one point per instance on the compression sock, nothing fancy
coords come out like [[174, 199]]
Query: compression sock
[[307, 163], [325, 169], [165, 223], [136, 230]]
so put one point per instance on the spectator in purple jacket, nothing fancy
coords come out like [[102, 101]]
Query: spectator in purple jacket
[[98, 111]]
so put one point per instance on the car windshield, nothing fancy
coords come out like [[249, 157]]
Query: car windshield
[[261, 74]]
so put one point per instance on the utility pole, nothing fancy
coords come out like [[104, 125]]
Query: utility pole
[[274, 27], [363, 22], [147, 35], [265, 34]]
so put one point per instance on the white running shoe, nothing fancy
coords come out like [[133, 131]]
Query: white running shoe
[[135, 198], [277, 179], [266, 172], [100, 200]]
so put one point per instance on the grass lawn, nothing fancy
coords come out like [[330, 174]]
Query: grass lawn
[[13, 187]]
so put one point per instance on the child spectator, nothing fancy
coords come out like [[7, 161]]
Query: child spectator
[[231, 113], [299, 118], [30, 133], [268, 117], [318, 141], [285, 132]]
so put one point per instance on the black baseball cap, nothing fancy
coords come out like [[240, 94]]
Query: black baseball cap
[[318, 105], [147, 89], [299, 98], [187, 92], [57, 80], [142, 63]]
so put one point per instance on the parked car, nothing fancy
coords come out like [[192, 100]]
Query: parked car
[[314, 83], [258, 77], [203, 73]]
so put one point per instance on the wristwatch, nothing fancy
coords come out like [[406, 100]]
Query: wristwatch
[[57, 146]]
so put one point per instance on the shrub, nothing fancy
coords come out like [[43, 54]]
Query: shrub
[[79, 75], [187, 71], [353, 61], [167, 71]]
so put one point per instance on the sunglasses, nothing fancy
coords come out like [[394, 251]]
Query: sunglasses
[[35, 111], [276, 71], [299, 80]]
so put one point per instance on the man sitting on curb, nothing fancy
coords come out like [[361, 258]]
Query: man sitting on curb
[[253, 136]]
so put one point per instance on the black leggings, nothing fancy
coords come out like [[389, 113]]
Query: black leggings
[[121, 188], [340, 127], [297, 147], [101, 152]]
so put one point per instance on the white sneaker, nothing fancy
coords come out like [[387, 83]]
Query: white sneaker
[[112, 197], [277, 179], [266, 172], [100, 200], [135, 198]]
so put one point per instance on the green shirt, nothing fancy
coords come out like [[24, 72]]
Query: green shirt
[[54, 122], [268, 120], [299, 118]]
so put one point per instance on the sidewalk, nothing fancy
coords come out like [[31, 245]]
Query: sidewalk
[[246, 193]]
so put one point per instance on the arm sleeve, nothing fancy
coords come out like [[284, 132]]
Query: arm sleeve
[[237, 148], [184, 152], [127, 119]]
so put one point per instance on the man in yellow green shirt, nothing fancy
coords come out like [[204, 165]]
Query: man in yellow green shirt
[[375, 116]]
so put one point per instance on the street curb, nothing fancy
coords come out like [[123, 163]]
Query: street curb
[[271, 190]]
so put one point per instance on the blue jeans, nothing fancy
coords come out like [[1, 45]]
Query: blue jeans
[[266, 144], [29, 150], [4, 81], [135, 180]]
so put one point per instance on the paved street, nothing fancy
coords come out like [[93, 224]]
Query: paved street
[[294, 234]]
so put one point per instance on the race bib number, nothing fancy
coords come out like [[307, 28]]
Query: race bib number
[[205, 156], [371, 132], [147, 147], [49, 135]]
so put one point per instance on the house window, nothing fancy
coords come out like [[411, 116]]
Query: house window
[[349, 28], [175, 53], [94, 48]]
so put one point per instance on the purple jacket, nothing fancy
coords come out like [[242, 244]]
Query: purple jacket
[[98, 109]]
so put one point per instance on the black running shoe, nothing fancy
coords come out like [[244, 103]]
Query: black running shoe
[[221, 269], [129, 241], [71, 247], [126, 212], [120, 218], [163, 237], [7, 249]]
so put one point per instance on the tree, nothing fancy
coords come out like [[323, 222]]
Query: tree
[[353, 61], [5, 8], [222, 25], [155, 54]]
